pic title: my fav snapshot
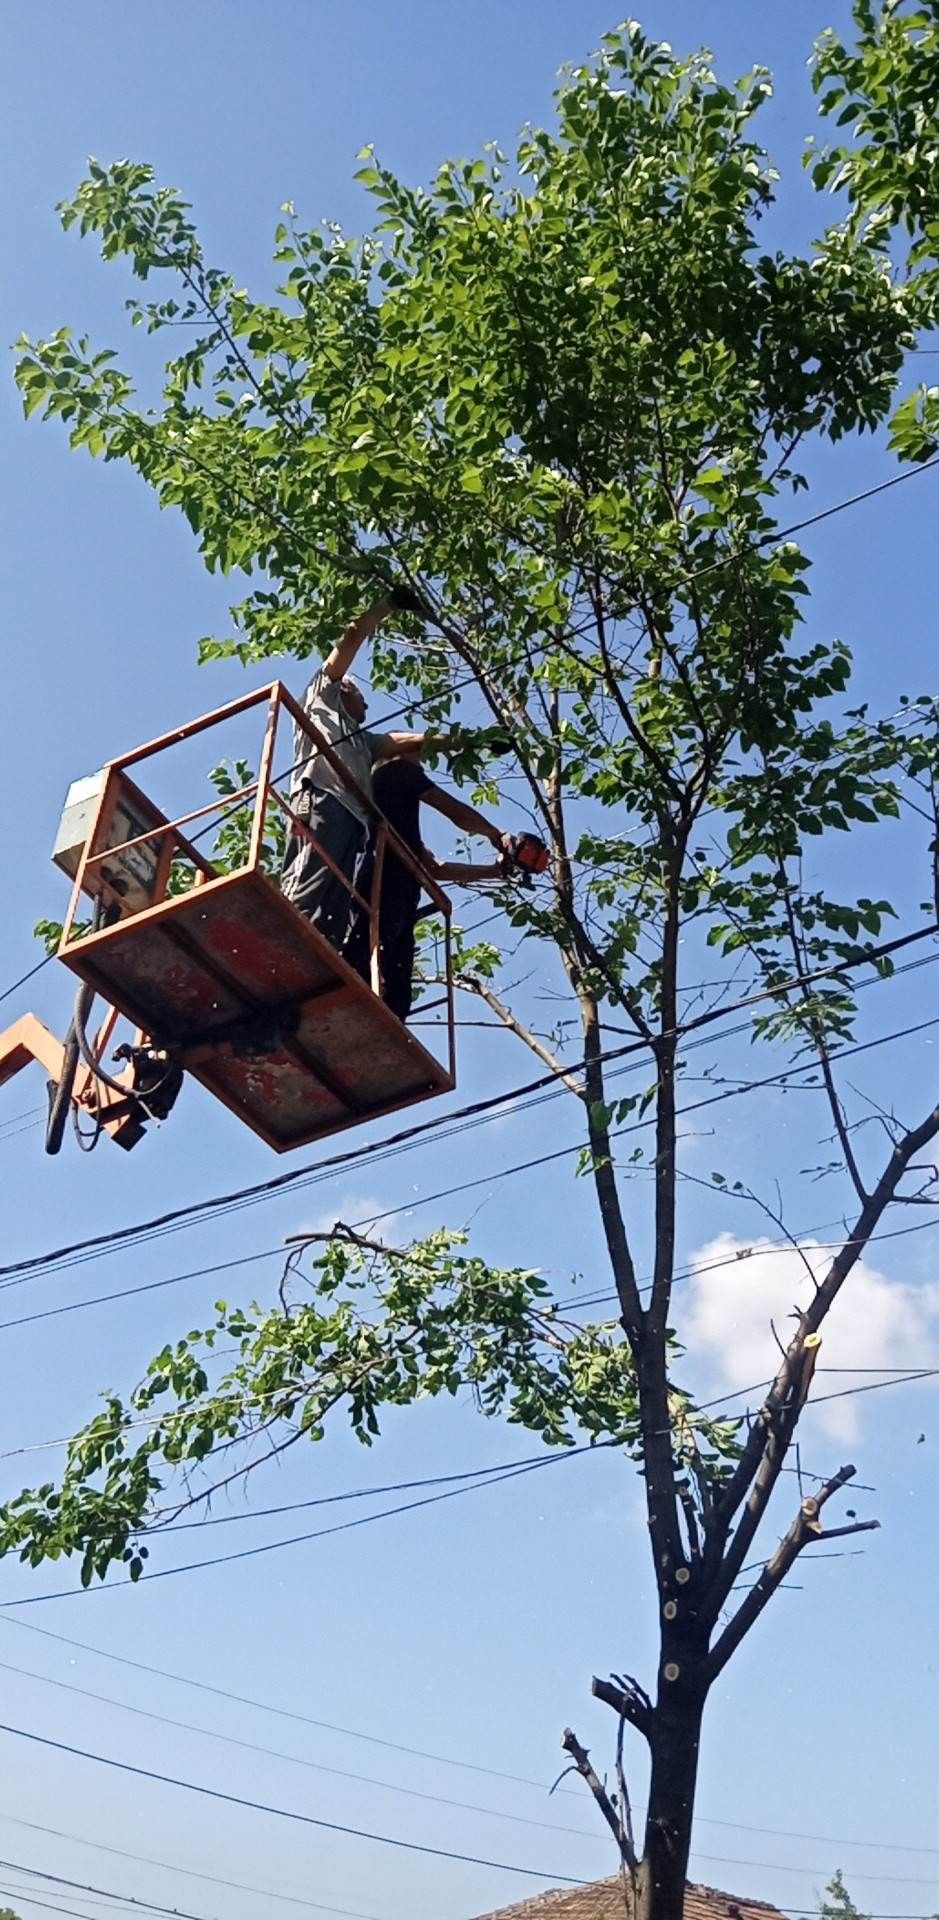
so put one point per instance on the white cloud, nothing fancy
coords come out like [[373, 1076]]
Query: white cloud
[[875, 1322], [358, 1210]]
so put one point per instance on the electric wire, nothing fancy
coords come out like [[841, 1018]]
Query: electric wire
[[436, 1759], [21, 982], [286, 1813], [192, 1873], [99, 1893], [296, 1760], [419, 1753], [302, 1539], [806, 1239], [385, 1513], [444, 1128]]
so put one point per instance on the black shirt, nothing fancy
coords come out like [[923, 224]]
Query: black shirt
[[398, 786]]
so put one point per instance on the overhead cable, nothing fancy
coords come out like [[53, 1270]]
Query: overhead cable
[[405, 1136], [286, 1813], [393, 1746]]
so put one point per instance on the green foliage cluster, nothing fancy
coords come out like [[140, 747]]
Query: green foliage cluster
[[381, 1331]]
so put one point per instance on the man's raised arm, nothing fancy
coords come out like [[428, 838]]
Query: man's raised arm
[[362, 628]]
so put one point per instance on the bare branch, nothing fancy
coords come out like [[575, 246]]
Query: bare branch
[[818, 1041], [581, 1759], [826, 1293], [472, 984], [628, 1700], [806, 1528], [774, 1433], [625, 1804]]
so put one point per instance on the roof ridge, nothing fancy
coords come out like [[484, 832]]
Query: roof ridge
[[581, 1903]]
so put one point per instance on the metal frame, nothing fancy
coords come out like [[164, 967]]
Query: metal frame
[[90, 878], [29, 1039]]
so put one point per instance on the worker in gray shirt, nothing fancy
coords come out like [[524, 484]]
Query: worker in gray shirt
[[332, 811]]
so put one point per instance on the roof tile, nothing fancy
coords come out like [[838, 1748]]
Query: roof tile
[[603, 1900]]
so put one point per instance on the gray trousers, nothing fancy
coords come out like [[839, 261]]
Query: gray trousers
[[309, 882]]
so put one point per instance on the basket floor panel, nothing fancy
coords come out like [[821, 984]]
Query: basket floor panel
[[224, 954]]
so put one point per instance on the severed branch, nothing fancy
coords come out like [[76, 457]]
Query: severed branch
[[806, 1528], [741, 1486], [776, 1431], [581, 1759], [472, 984], [339, 1231], [628, 1700]]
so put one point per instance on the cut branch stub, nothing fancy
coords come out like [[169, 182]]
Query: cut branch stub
[[581, 1760]]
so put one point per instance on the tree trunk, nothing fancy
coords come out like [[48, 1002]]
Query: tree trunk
[[676, 1738]]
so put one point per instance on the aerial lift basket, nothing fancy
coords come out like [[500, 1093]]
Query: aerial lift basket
[[221, 970]]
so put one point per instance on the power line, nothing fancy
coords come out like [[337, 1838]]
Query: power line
[[21, 982], [805, 1237], [820, 1399], [358, 1833], [296, 1760], [30, 1127], [193, 1873], [364, 1520], [100, 1893], [857, 1873], [266, 1706], [28, 1113], [301, 1539], [567, 1305], [26, 1893], [443, 1129], [147, 1286], [287, 1813], [394, 1746]]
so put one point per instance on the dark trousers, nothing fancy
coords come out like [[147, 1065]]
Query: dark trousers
[[309, 882], [397, 918]]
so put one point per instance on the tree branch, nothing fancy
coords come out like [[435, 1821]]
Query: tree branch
[[581, 1759], [628, 1700], [472, 984], [818, 1041], [806, 1528], [778, 1427], [826, 1293]]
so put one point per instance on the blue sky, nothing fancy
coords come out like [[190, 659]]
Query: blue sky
[[467, 1630]]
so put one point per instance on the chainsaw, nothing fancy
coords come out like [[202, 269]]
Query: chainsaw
[[526, 852]]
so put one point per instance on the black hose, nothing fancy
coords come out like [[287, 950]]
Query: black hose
[[76, 1046], [60, 1093]]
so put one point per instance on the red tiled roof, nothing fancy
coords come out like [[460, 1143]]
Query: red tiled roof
[[603, 1900]]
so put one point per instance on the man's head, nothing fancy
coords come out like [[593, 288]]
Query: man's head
[[353, 699]]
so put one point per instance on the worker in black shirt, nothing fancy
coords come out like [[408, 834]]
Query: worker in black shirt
[[399, 787]]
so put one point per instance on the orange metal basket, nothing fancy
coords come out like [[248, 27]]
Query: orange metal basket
[[229, 974]]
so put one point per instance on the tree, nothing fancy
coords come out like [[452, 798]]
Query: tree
[[564, 398], [839, 1905]]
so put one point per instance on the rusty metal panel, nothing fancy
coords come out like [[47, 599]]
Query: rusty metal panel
[[274, 1094], [147, 975], [251, 934], [367, 1049], [265, 1013]]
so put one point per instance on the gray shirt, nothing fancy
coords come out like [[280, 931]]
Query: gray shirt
[[355, 746]]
